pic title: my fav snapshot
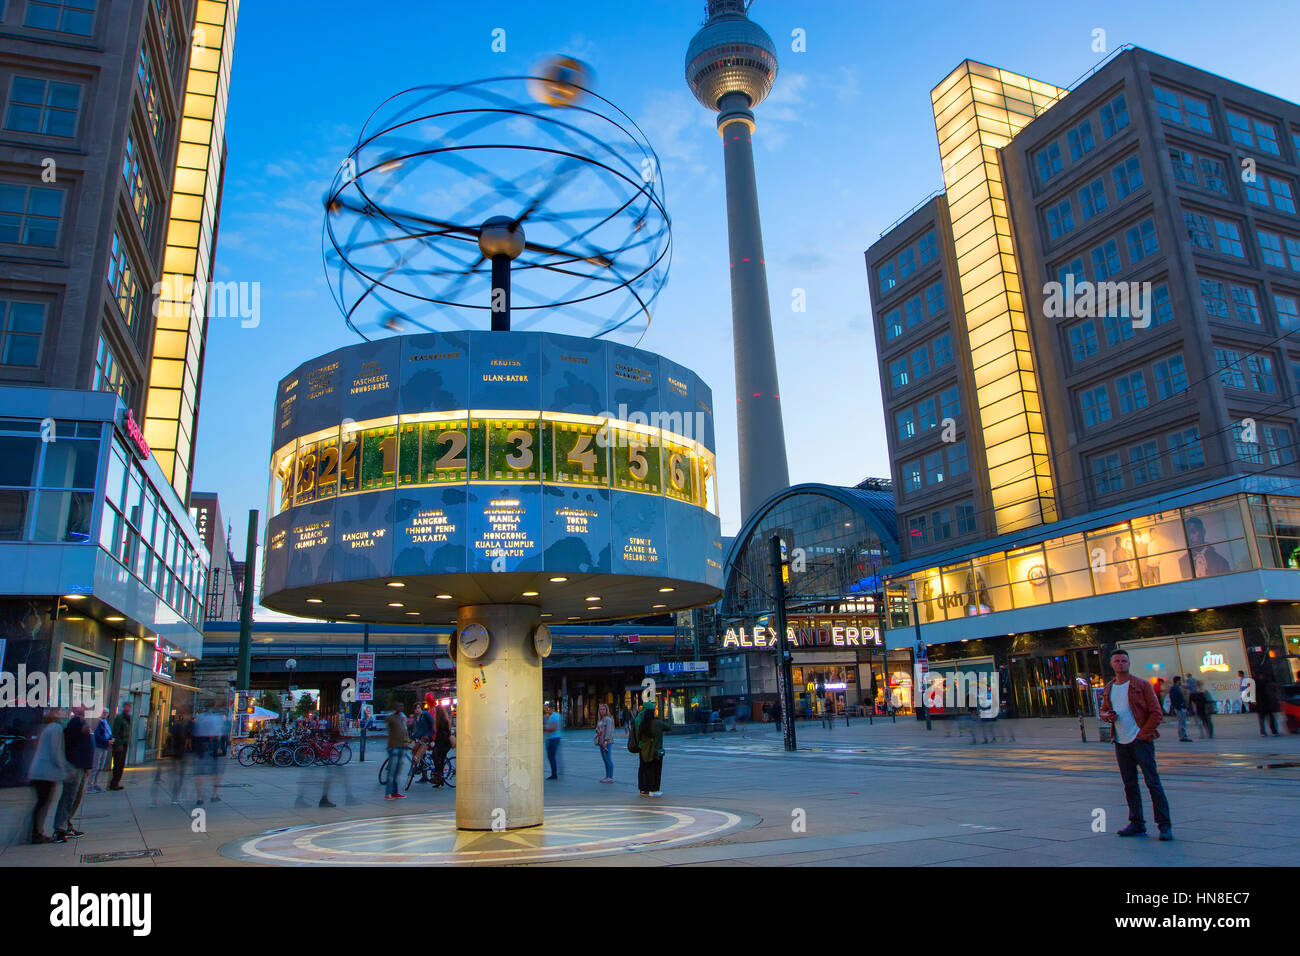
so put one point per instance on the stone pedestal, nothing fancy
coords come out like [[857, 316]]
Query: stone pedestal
[[499, 722]]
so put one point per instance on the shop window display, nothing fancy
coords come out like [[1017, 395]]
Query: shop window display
[[1027, 569], [1068, 569], [1113, 559], [1215, 541]]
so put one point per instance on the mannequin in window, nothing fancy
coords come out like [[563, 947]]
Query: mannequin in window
[[1200, 558], [1122, 557]]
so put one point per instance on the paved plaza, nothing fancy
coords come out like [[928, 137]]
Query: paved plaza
[[888, 794]]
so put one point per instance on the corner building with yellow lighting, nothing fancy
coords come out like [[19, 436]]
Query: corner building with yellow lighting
[[1089, 348], [112, 118]]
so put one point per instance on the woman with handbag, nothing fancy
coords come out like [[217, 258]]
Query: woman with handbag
[[443, 743], [605, 741]]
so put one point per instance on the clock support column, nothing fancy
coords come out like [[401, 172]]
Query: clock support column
[[499, 762]]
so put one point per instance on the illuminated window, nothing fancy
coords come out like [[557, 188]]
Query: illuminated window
[[934, 298], [1229, 365], [929, 248], [1288, 311], [31, 215], [1049, 162], [62, 16], [898, 373], [1132, 392], [21, 326], [925, 415], [1127, 176], [43, 106], [912, 312], [1081, 142], [1229, 239], [1092, 199], [1245, 303], [957, 461], [886, 275], [1083, 340], [1253, 133], [1214, 297], [893, 324], [942, 350], [905, 424], [1144, 459], [1214, 178], [109, 375], [137, 186], [1060, 219], [1171, 377], [152, 100], [1107, 475], [1198, 230], [1094, 403], [1185, 450], [1114, 116], [934, 468], [121, 277], [1105, 260], [912, 476]]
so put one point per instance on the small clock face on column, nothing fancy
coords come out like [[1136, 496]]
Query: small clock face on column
[[542, 640], [473, 641]]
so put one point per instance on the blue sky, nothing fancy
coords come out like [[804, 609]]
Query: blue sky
[[844, 146]]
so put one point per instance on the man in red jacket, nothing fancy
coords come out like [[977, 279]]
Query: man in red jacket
[[1131, 705]]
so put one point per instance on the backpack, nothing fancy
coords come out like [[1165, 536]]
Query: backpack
[[102, 734], [632, 746]]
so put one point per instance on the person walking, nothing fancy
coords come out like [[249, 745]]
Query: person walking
[[79, 749], [605, 741], [103, 751], [49, 768], [422, 734], [552, 732], [121, 740], [444, 741], [1132, 707], [1206, 708], [1267, 702], [398, 741], [1178, 705], [1196, 704], [650, 740]]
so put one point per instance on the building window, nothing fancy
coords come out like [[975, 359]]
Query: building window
[[912, 476], [912, 312], [1270, 248], [1229, 239], [906, 264], [965, 519], [1145, 462], [1119, 328], [1282, 194], [957, 461], [917, 530], [934, 299], [43, 106], [942, 350], [1185, 450], [1114, 117], [1081, 142], [62, 16], [1128, 177], [1161, 306], [1083, 341], [920, 363], [1060, 219], [1092, 199], [942, 522], [886, 275], [1213, 176], [152, 100], [898, 373], [1278, 445], [1198, 230], [1255, 191], [121, 277], [1171, 377], [137, 186], [1105, 260], [1182, 109], [925, 415], [1259, 372], [1247, 450], [1095, 405], [950, 403], [1142, 240], [1250, 132], [929, 248], [1287, 308], [1132, 392], [109, 376], [1049, 162], [1229, 365], [1215, 299], [934, 468], [1167, 105], [1198, 115], [30, 215], [1073, 268], [893, 325], [1106, 474], [21, 326], [1184, 168], [1246, 303], [905, 424]]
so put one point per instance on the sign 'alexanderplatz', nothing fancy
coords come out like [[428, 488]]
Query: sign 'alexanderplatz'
[[500, 474]]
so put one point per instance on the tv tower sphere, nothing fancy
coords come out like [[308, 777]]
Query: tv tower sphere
[[730, 54]]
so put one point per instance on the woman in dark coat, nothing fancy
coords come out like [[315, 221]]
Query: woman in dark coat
[[1266, 702]]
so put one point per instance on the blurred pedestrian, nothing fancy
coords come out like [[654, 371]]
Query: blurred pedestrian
[[552, 732], [1178, 707], [103, 751], [79, 749], [121, 742], [650, 737], [1267, 702], [398, 742], [605, 741], [444, 741], [207, 747], [49, 768]]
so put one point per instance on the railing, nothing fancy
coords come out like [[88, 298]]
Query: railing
[[897, 222]]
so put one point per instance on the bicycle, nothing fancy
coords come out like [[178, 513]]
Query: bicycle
[[425, 765]]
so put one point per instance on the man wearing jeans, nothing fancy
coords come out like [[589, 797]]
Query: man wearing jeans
[[398, 741], [1131, 705], [552, 731], [1178, 704], [79, 751]]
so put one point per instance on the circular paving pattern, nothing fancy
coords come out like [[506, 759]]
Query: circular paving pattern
[[425, 839]]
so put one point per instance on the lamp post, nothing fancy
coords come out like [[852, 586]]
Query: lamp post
[[785, 678], [922, 657]]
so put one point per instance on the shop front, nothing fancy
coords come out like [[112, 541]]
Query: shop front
[[1213, 658]]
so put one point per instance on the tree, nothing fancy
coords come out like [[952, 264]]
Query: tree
[[304, 705], [270, 700]]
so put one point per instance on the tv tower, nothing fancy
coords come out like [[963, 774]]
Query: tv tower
[[730, 67]]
